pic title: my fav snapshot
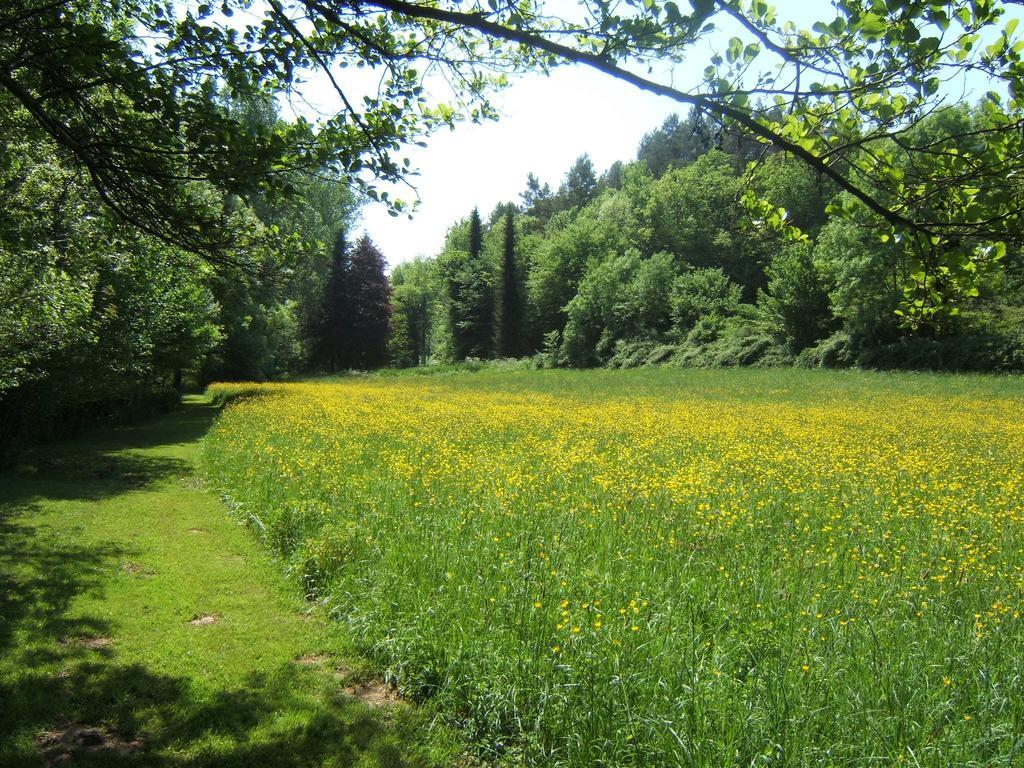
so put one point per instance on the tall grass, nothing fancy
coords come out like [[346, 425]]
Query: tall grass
[[660, 567]]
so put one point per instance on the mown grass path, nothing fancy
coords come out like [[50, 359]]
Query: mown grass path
[[141, 626]]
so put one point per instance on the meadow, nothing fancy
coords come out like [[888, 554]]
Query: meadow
[[701, 568]]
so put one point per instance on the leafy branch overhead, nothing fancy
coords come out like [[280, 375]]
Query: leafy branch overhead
[[132, 94]]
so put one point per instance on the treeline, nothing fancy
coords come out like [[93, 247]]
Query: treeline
[[658, 261], [100, 321]]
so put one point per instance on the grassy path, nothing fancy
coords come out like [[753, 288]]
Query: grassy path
[[140, 626]]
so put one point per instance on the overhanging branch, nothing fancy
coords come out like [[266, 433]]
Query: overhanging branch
[[607, 66]]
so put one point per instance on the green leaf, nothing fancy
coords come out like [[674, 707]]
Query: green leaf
[[872, 26], [734, 50]]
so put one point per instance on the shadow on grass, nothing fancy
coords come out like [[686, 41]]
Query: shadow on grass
[[65, 699], [106, 463], [133, 716]]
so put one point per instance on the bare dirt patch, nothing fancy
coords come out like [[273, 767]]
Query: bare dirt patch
[[312, 659], [59, 747], [204, 619], [196, 530], [92, 643], [135, 569], [374, 693]]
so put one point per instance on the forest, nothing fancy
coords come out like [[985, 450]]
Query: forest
[[659, 261]]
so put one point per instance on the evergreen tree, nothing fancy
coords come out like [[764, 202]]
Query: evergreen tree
[[328, 326], [535, 193], [509, 336], [476, 236], [538, 201], [350, 329], [678, 143], [371, 306], [471, 298]]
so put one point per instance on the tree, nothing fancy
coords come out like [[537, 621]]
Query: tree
[[611, 178], [353, 325], [510, 327], [331, 325], [414, 292], [268, 294], [128, 91], [693, 213], [792, 185], [580, 183], [401, 347], [796, 298], [677, 143], [95, 316], [371, 309], [623, 298], [470, 296], [476, 236], [874, 68], [699, 294], [534, 194]]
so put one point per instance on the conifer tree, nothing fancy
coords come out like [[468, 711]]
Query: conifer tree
[[508, 341], [580, 183], [350, 329], [371, 306], [471, 299], [476, 236], [327, 327]]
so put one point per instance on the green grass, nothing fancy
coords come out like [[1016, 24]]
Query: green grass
[[108, 548], [701, 568]]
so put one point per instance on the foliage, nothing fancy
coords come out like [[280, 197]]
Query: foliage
[[865, 279], [470, 292], [351, 329], [746, 284], [676, 143], [416, 311], [580, 184], [511, 326], [95, 316], [700, 294], [128, 92], [693, 213], [796, 298]]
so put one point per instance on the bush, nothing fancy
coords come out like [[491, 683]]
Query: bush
[[834, 352], [729, 342], [635, 353], [702, 294]]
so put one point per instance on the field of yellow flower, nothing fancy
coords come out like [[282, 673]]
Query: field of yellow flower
[[708, 568]]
